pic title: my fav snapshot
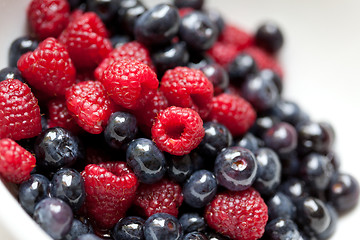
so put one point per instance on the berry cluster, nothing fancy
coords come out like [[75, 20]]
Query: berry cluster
[[120, 121]]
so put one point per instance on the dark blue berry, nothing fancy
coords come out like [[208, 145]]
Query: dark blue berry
[[162, 226], [216, 17], [263, 123], [282, 229], [10, 73], [249, 141], [68, 185], [269, 37], [33, 191], [88, 236], [56, 148], [78, 228], [129, 228], [217, 137], [198, 161], [287, 111], [332, 226], [272, 76], [343, 192], [217, 75], [192, 222], [195, 4], [121, 129], [241, 68], [200, 188], [334, 160], [215, 236], [179, 168], [294, 188], [280, 205], [269, 171], [235, 168], [198, 31], [157, 25], [128, 13], [282, 138], [20, 46], [290, 164], [199, 60], [146, 160], [105, 9], [195, 236], [119, 40], [54, 216], [75, 3]]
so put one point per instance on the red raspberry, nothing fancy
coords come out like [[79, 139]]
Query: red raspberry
[[178, 130], [161, 197], [185, 11], [188, 88], [59, 115], [223, 53], [131, 50], [49, 68], [128, 82], [15, 162], [234, 112], [110, 190], [48, 17], [86, 40], [240, 215], [19, 111], [90, 105], [235, 36]]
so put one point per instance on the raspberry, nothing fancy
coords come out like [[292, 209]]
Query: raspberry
[[48, 17], [59, 115], [90, 105], [240, 215], [19, 111], [178, 130], [236, 37], [223, 53], [234, 112], [15, 162], [161, 197], [110, 190], [49, 68], [184, 11], [128, 82], [131, 50], [188, 88], [86, 40]]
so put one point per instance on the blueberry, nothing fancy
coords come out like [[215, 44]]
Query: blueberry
[[179, 168], [217, 75], [343, 192], [78, 228], [294, 188], [198, 161], [105, 9], [241, 68], [235, 168], [249, 141], [334, 160], [270, 75], [33, 191], [162, 226], [10, 72], [216, 18], [129, 228], [119, 40], [128, 13], [54, 216], [217, 137], [199, 60], [268, 172], [195, 4], [157, 25], [263, 123], [269, 37], [68, 185], [75, 3], [146, 160], [88, 236], [215, 236], [287, 111], [56, 148], [332, 226], [281, 205], [20, 46], [290, 164], [170, 56], [195, 236], [262, 93], [121, 129], [198, 31], [192, 222], [200, 188], [282, 138], [282, 229]]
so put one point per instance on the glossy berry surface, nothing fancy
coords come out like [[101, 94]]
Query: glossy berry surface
[[78, 228], [191, 222], [195, 236], [270, 75], [10, 72], [20, 46], [281, 206], [283, 228], [241, 67], [287, 111], [128, 13], [235, 168], [162, 226], [294, 188], [249, 141], [54, 216], [217, 75], [282, 138], [103, 8], [179, 168], [269, 37], [129, 228], [88, 236], [200, 188], [146, 160], [195, 4]]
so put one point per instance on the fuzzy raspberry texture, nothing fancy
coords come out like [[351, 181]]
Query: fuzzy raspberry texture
[[129, 82], [239, 215], [131, 50], [48, 17], [223, 53], [234, 112], [59, 115], [237, 37], [90, 106], [178, 130], [19, 111], [86, 40], [49, 68], [164, 196], [16, 163], [110, 190], [188, 88]]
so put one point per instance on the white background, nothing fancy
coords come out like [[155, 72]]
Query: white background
[[321, 59]]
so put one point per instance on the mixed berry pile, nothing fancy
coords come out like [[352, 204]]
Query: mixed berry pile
[[124, 121]]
